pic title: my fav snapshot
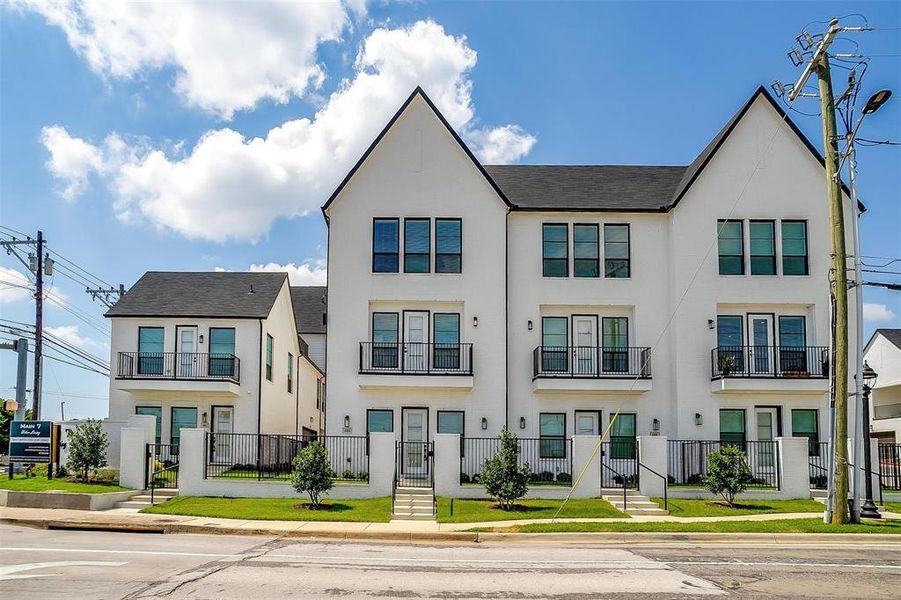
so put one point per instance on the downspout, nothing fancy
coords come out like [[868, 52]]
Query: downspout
[[507, 318], [262, 359], [297, 394]]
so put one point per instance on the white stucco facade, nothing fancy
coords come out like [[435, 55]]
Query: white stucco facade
[[884, 356]]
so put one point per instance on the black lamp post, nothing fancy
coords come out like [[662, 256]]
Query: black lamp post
[[868, 510]]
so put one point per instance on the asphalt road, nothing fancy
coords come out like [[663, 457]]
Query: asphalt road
[[79, 564]]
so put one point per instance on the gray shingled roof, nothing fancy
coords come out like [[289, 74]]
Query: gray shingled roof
[[203, 295], [892, 335], [309, 308]]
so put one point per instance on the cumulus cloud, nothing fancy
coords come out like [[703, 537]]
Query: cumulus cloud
[[70, 335], [72, 160], [226, 56], [878, 313], [306, 273], [14, 286], [228, 187]]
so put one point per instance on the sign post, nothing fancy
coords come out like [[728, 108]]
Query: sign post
[[31, 442]]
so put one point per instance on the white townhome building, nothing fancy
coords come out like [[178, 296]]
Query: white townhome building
[[220, 351], [695, 299], [883, 354]]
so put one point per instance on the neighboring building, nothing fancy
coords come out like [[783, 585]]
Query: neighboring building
[[310, 315], [214, 350], [464, 297], [883, 354]]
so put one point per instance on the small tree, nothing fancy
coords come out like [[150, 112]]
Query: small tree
[[312, 473], [728, 473], [501, 475], [87, 445]]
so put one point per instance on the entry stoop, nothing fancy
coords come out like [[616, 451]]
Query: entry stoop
[[636, 504], [142, 500], [414, 504]]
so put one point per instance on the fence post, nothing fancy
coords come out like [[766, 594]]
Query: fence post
[[381, 463], [793, 462], [582, 448], [447, 464], [191, 464], [132, 457], [652, 455]]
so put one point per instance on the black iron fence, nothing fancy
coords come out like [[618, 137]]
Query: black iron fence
[[591, 362], [414, 464], [178, 365], [550, 459], [619, 464], [415, 358], [818, 465], [270, 456], [890, 466], [687, 461], [800, 362], [160, 467]]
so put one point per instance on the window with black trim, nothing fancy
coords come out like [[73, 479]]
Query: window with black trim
[[446, 328], [585, 250], [622, 436], [222, 351], [763, 247], [729, 342], [552, 434], [417, 245], [448, 245], [615, 344], [385, 346], [269, 343], [156, 411], [181, 418], [617, 262], [450, 421], [555, 250], [385, 245], [732, 426], [379, 421], [792, 344], [554, 343], [794, 248], [290, 372], [805, 423], [731, 247], [150, 350]]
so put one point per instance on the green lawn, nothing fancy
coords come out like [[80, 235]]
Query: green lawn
[[680, 507], [815, 525], [42, 484], [473, 511], [894, 507], [377, 510]]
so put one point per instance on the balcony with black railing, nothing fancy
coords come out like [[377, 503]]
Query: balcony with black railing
[[591, 362], [178, 366], [415, 358], [769, 368]]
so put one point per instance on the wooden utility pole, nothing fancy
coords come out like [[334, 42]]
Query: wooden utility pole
[[38, 326]]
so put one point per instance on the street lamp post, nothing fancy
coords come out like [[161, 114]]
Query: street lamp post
[[868, 510]]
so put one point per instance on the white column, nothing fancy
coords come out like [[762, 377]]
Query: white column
[[132, 457], [652, 455], [586, 463], [794, 469], [447, 464], [191, 461], [145, 422], [381, 463]]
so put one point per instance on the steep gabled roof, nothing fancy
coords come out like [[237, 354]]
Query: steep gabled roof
[[200, 295], [892, 335], [309, 308]]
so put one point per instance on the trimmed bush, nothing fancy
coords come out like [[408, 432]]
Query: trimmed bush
[[311, 474], [564, 478], [728, 473], [87, 446], [501, 474]]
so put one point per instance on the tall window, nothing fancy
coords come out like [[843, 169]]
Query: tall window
[[792, 344], [447, 341], [269, 342], [379, 421], [615, 343], [552, 434], [222, 351], [805, 424], [155, 411], [448, 245], [616, 251], [384, 340], [450, 421], [729, 342], [731, 248], [622, 437], [794, 248], [181, 418], [150, 350], [555, 250], [585, 251], [732, 426], [290, 372], [417, 245], [763, 247], [554, 342], [385, 245]]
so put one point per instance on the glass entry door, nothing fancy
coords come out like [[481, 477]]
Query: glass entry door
[[766, 432], [760, 350], [187, 351], [585, 352], [223, 423], [416, 337], [415, 438]]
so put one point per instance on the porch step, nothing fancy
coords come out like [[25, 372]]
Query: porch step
[[635, 505], [142, 500], [411, 503]]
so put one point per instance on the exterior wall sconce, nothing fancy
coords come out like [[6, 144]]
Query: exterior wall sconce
[[200, 338], [346, 421], [484, 423], [530, 325], [655, 427], [711, 324], [475, 321], [699, 419], [522, 420], [203, 420]]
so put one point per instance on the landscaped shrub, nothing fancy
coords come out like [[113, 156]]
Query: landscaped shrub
[[87, 446], [504, 479], [564, 478], [728, 473], [347, 474], [543, 477], [464, 478], [311, 474]]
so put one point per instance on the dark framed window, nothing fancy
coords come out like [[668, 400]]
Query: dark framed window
[[552, 434], [290, 372], [615, 344], [385, 347], [805, 423], [730, 235], [451, 421], [417, 245], [730, 341], [555, 250], [446, 352], [379, 421], [617, 263], [448, 245], [150, 350], [269, 344], [222, 351], [794, 248], [554, 343], [732, 426], [385, 245], [763, 247], [180, 419], [585, 251], [156, 411], [622, 437], [792, 343]]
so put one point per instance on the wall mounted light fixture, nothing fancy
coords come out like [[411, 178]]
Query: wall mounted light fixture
[[346, 421], [522, 422], [200, 338], [699, 420], [530, 325], [655, 427], [711, 324], [203, 420], [475, 321], [484, 423]]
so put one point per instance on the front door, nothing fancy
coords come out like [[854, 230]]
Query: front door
[[585, 351], [760, 348], [415, 437], [588, 422], [766, 432], [186, 345], [416, 338], [223, 423]]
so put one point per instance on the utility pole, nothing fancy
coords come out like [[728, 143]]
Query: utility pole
[[38, 326]]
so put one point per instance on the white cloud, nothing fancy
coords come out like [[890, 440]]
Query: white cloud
[[72, 160], [306, 273], [230, 187], [878, 313], [14, 286], [70, 335], [227, 56]]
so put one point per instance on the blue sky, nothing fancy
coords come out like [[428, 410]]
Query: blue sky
[[135, 156]]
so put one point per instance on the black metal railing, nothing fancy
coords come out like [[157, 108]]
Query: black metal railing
[[789, 362], [591, 362], [415, 358], [160, 468], [179, 365], [890, 466], [550, 459], [818, 465], [270, 456], [414, 464], [687, 461], [619, 463]]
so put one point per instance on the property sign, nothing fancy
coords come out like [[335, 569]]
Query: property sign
[[30, 441]]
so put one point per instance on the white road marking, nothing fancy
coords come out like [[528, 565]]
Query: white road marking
[[742, 563], [14, 571], [99, 551]]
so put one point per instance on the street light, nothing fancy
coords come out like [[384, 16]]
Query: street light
[[876, 100], [868, 510]]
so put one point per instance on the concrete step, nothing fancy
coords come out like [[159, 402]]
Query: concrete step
[[425, 503], [412, 490], [647, 511], [407, 516]]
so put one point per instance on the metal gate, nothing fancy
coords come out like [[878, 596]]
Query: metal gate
[[414, 464], [161, 467]]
